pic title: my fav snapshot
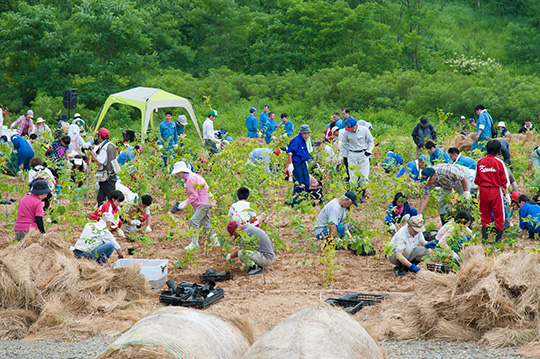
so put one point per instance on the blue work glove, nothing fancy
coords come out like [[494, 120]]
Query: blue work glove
[[430, 245], [414, 268]]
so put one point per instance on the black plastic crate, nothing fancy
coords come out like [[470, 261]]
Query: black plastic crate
[[355, 301], [439, 267], [212, 275], [192, 295]]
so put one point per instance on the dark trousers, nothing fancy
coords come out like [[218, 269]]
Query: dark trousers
[[301, 181], [105, 189]]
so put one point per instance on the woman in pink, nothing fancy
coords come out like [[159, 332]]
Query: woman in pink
[[30, 214]]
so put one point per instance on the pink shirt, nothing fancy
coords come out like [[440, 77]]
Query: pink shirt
[[25, 125], [30, 207], [197, 190]]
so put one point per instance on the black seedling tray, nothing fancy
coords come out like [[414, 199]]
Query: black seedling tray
[[355, 301], [439, 267], [193, 295], [212, 275]]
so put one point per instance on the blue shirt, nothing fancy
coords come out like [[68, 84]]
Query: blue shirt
[[126, 156], [263, 118], [412, 170], [392, 217], [179, 129], [168, 137], [391, 161], [270, 128], [532, 223], [298, 149], [251, 123], [288, 127], [466, 161], [486, 121], [340, 123], [439, 156]]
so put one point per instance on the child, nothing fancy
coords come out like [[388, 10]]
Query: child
[[315, 189], [241, 211], [139, 214], [111, 206], [30, 213], [397, 211], [58, 151]]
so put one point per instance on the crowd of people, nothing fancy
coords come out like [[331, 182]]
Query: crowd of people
[[482, 174]]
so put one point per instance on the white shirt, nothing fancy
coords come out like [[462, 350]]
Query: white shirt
[[208, 131], [403, 239], [331, 213], [242, 212], [93, 235], [102, 155], [356, 141]]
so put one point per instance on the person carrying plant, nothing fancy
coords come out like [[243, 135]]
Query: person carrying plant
[[330, 220], [460, 159], [23, 150], [448, 177], [529, 216], [414, 169], [96, 240], [399, 210], [112, 206], [492, 179], [298, 156], [30, 212], [256, 251], [409, 246], [104, 153], [198, 195], [422, 132], [168, 137]]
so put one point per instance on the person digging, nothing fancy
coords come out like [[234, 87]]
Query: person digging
[[409, 246]]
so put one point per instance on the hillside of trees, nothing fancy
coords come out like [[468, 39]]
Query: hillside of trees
[[388, 61]]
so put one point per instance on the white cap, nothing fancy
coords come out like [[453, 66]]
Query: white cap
[[77, 115], [334, 129], [108, 217], [462, 117], [182, 120], [30, 113], [501, 124], [40, 120], [180, 166], [78, 161]]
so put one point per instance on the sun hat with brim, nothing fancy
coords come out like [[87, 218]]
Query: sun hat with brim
[[305, 129], [180, 166], [40, 120], [30, 113], [182, 120], [40, 187], [501, 124], [417, 223], [232, 226], [213, 113], [427, 173], [352, 196], [351, 122]]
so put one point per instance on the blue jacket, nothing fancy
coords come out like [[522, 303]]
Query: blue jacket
[[270, 129], [439, 156], [298, 149], [126, 156], [486, 121], [391, 161], [392, 217], [251, 123], [263, 118], [21, 145], [412, 170], [179, 129], [466, 161], [532, 223], [288, 128], [168, 136]]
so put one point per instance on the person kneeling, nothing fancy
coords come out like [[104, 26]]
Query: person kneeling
[[406, 252], [96, 240], [256, 251]]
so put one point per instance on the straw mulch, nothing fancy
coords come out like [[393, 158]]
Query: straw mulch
[[47, 293], [493, 300], [464, 143]]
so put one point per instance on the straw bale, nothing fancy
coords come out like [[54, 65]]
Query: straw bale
[[316, 333], [184, 333], [531, 350], [508, 337], [462, 142], [47, 293]]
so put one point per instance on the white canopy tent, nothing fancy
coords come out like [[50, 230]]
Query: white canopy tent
[[148, 99]]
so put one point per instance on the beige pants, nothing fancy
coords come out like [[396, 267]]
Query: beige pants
[[201, 217], [411, 253], [254, 257]]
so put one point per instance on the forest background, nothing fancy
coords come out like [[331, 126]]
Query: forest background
[[390, 62]]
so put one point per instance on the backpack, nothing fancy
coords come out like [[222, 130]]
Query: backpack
[[494, 132]]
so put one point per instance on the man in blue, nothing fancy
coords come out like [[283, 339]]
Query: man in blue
[[422, 132], [460, 159], [414, 169], [505, 152], [483, 131], [391, 162], [298, 157], [263, 156], [168, 137], [436, 155], [251, 123], [263, 119], [287, 125], [345, 113], [128, 154], [270, 127]]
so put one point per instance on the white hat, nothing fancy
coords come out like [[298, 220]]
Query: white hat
[[77, 115], [40, 120], [368, 125], [501, 124], [78, 161], [108, 217], [462, 117], [180, 166], [182, 120], [335, 128], [30, 113]]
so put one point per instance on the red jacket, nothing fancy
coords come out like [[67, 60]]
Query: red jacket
[[491, 172]]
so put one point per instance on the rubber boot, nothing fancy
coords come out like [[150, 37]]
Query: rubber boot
[[362, 195], [499, 235], [484, 234], [193, 245], [415, 261]]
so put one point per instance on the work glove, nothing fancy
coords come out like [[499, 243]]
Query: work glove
[[175, 146], [175, 208], [406, 217], [348, 233], [148, 229], [393, 227], [430, 245], [121, 233], [136, 222], [290, 168], [508, 198], [467, 195], [414, 268], [160, 147], [183, 204], [367, 153], [225, 142]]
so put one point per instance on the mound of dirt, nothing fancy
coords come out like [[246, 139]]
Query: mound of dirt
[[47, 293], [494, 300]]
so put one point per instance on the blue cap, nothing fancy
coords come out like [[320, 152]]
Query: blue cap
[[251, 110], [427, 173], [351, 122], [352, 196], [423, 158]]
